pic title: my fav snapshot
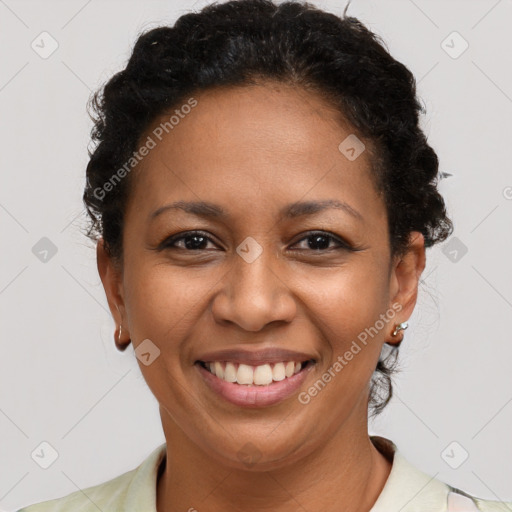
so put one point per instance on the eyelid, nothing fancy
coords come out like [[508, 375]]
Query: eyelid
[[327, 234], [167, 242], [342, 244]]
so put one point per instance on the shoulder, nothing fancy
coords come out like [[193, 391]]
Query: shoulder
[[133, 490], [104, 496], [493, 506], [459, 500], [409, 489]]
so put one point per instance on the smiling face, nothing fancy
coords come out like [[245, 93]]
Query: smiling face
[[292, 253]]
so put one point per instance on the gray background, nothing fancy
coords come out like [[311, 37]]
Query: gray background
[[62, 380]]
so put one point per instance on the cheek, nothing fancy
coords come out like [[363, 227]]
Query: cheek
[[162, 302], [345, 309], [163, 305], [346, 301]]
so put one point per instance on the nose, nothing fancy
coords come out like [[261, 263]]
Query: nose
[[253, 295]]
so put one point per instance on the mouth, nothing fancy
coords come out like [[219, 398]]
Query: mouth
[[254, 386], [259, 375]]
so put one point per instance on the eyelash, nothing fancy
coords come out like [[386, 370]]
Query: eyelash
[[342, 245]]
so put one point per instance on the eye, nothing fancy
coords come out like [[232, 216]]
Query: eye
[[198, 241], [193, 241], [320, 241]]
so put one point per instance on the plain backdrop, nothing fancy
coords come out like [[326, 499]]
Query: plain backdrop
[[63, 382]]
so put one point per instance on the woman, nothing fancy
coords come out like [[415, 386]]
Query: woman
[[262, 196]]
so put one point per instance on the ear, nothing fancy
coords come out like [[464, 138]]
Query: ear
[[111, 277], [405, 275]]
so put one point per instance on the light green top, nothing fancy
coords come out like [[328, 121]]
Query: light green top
[[407, 489]]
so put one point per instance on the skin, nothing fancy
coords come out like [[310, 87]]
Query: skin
[[253, 150]]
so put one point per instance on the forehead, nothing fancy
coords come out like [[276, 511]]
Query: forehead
[[258, 145]]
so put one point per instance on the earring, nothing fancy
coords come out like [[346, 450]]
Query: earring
[[121, 347], [399, 327]]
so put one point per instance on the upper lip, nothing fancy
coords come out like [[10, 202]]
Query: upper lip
[[255, 357]]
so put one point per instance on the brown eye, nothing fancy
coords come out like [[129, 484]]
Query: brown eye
[[192, 241], [321, 241]]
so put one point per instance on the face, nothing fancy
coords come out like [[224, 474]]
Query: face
[[291, 253]]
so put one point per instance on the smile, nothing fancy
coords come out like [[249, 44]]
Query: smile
[[261, 375], [254, 386]]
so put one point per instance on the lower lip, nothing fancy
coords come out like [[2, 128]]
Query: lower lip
[[255, 396]]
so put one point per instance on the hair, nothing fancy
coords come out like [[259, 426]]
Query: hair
[[243, 42]]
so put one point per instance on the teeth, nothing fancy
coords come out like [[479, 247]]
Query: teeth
[[244, 375], [218, 370], [229, 373], [278, 372], [261, 375]]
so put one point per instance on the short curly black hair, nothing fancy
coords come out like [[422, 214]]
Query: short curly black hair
[[242, 42]]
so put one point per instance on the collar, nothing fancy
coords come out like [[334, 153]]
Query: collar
[[141, 492], [406, 489]]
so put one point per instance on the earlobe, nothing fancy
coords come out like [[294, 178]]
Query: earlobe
[[112, 284], [395, 335]]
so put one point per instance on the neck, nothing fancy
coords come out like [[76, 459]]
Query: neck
[[347, 469]]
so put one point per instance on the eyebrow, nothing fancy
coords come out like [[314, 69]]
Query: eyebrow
[[298, 209]]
